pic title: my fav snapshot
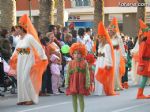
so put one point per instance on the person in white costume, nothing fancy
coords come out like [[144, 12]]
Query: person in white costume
[[104, 74], [119, 51], [26, 72], [134, 53]]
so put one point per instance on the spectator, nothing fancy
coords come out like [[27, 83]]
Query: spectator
[[81, 33]]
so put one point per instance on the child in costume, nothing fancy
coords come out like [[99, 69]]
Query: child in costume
[[105, 63], [144, 58], [91, 59], [55, 71], [78, 78]]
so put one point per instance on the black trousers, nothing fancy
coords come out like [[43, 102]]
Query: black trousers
[[46, 81], [2, 74], [125, 77]]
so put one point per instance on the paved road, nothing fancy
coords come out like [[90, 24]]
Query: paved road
[[126, 102]]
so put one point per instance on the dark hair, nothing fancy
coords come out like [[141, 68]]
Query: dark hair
[[74, 33], [81, 31], [88, 29], [13, 28], [4, 32], [64, 29], [25, 31], [58, 35], [46, 39], [51, 28]]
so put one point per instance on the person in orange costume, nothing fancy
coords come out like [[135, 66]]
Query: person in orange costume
[[144, 58], [77, 81], [29, 61], [105, 72], [119, 52]]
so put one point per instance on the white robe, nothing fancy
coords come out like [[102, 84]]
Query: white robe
[[101, 62], [134, 76], [26, 91], [118, 41]]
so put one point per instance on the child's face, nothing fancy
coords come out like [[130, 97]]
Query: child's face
[[76, 55]]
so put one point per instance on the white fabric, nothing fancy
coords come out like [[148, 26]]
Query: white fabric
[[15, 40], [26, 91], [134, 76], [118, 41], [6, 66], [101, 62], [80, 40], [88, 42]]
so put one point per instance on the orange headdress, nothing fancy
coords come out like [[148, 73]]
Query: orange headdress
[[26, 23], [78, 47], [102, 75], [39, 65], [114, 25], [143, 28]]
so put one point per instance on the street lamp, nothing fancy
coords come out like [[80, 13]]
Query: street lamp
[[30, 9]]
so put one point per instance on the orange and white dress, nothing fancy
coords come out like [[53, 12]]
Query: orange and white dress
[[25, 61]]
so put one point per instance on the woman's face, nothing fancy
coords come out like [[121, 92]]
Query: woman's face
[[111, 33], [19, 31], [77, 55], [102, 39]]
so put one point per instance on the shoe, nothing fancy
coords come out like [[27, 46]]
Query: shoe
[[44, 94], [126, 86], [28, 103], [140, 94], [57, 93], [20, 103]]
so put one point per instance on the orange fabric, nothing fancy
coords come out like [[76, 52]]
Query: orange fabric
[[78, 47], [94, 47], [122, 67], [13, 61], [136, 57], [114, 25], [142, 26], [39, 66], [105, 76]]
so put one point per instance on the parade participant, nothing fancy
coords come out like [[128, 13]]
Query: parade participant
[[134, 53], [78, 78], [105, 62], [91, 62], [30, 61], [119, 53], [144, 58]]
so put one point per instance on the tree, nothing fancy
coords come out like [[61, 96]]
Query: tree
[[8, 13], [46, 15], [60, 12], [98, 13], [141, 12]]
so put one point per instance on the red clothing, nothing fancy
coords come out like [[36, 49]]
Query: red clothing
[[144, 57], [92, 88], [77, 78]]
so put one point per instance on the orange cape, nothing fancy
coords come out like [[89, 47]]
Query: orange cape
[[39, 66]]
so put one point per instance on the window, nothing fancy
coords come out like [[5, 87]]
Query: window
[[82, 3]]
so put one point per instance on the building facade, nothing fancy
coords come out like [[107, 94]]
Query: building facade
[[81, 13]]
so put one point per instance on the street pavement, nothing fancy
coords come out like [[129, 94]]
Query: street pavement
[[125, 102]]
